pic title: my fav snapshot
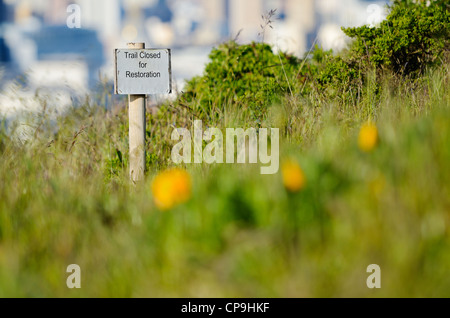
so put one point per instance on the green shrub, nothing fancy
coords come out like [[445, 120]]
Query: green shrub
[[333, 72], [250, 75], [413, 36], [411, 39]]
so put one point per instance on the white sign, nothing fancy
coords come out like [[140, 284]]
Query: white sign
[[143, 71]]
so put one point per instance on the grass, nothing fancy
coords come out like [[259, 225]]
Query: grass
[[65, 199]]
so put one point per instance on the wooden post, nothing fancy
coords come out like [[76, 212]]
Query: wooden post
[[136, 115]]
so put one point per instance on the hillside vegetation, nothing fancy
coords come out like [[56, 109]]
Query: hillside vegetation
[[364, 179]]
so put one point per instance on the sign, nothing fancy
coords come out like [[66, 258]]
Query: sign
[[143, 71]]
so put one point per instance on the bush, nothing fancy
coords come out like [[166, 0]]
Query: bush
[[413, 36], [333, 71], [250, 75]]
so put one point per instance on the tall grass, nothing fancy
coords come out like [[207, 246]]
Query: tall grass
[[65, 199]]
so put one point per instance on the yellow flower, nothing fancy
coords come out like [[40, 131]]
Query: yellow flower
[[368, 137], [171, 187], [293, 177]]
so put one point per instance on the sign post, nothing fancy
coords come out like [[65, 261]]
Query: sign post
[[136, 134], [140, 71]]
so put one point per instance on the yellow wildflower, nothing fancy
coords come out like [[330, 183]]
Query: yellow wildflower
[[368, 137], [170, 188], [293, 177]]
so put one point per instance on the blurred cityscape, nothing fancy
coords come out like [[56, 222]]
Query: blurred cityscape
[[42, 48]]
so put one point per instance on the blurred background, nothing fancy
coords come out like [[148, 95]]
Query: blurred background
[[65, 48]]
